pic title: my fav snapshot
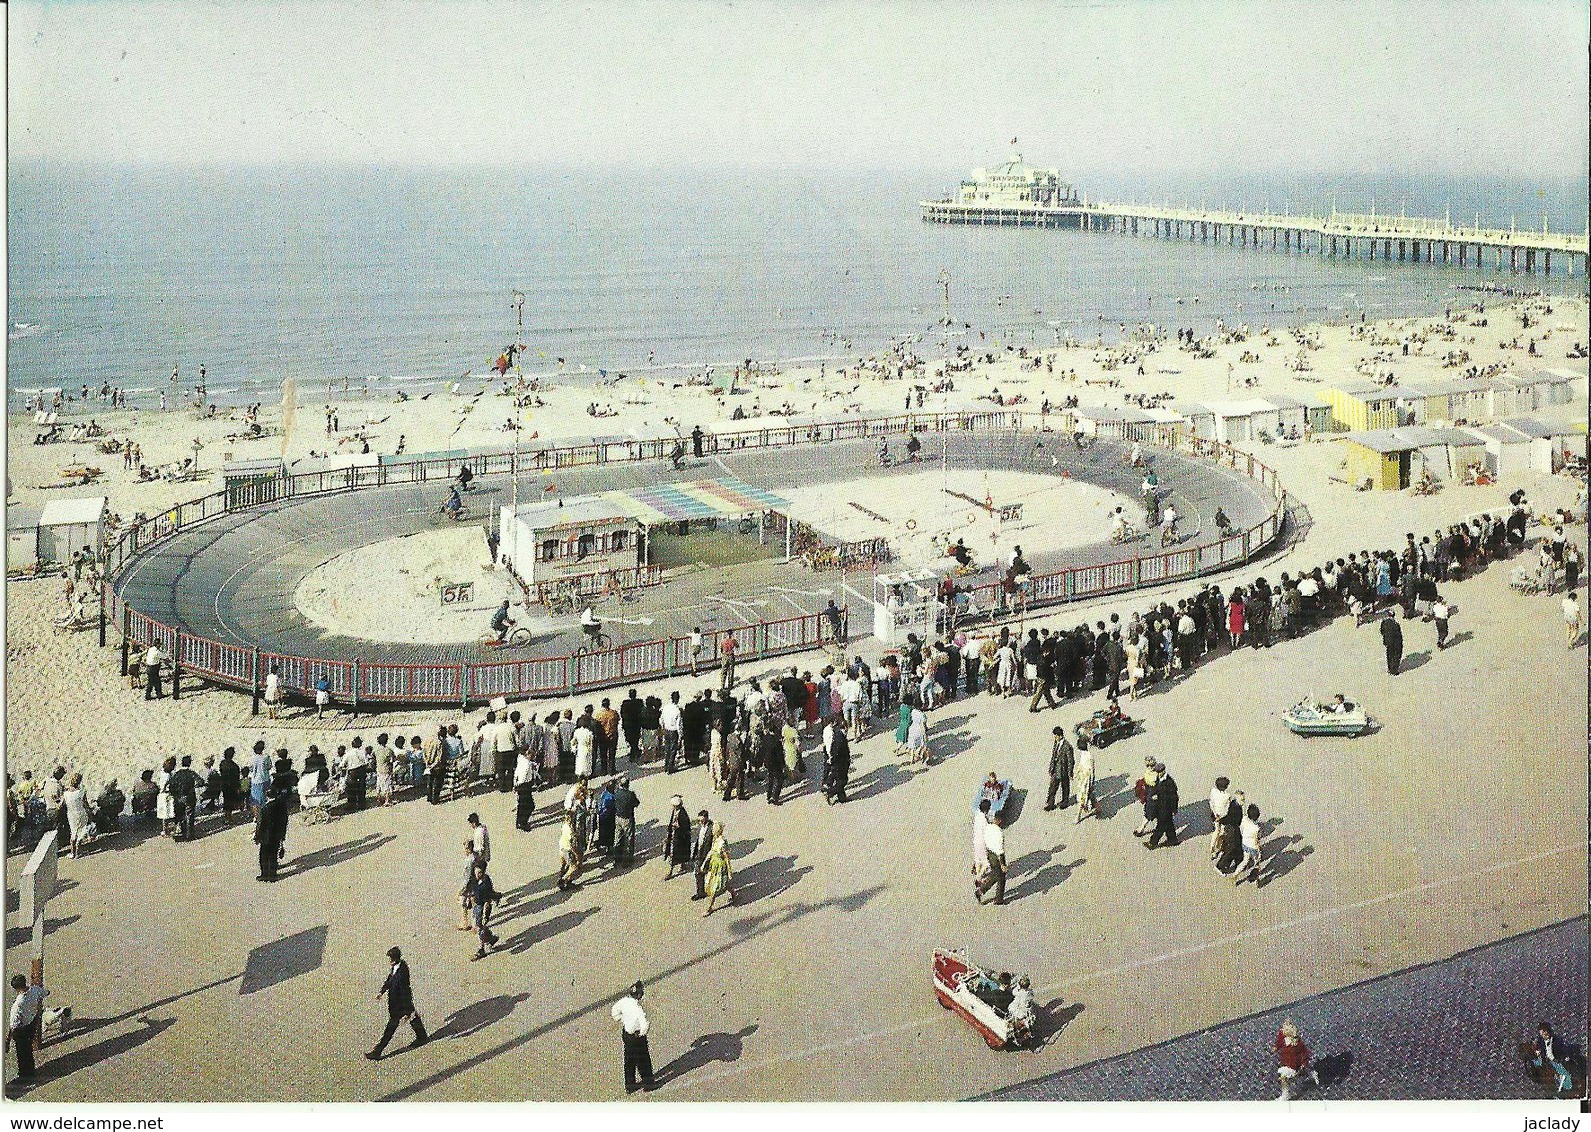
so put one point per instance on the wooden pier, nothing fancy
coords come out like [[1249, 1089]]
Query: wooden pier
[[1404, 239]]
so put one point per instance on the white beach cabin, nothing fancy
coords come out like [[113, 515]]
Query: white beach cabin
[[69, 525]]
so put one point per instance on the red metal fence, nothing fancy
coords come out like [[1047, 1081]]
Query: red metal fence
[[354, 682]]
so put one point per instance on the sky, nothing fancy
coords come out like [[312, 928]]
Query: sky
[[1496, 88]]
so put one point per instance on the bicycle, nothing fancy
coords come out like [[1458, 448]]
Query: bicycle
[[596, 641], [560, 601]]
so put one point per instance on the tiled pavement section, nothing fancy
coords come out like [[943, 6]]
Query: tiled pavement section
[[1446, 1030]]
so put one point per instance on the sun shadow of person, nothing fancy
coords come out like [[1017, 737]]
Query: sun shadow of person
[[477, 1016], [704, 1051]]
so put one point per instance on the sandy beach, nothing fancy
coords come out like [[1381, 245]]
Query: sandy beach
[[61, 686]]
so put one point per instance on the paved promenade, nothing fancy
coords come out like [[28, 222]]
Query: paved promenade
[[1446, 1031]]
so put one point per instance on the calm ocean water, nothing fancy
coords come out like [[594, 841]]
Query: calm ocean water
[[403, 279]]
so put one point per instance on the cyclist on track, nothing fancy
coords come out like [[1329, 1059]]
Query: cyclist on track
[[502, 622], [455, 503], [590, 623]]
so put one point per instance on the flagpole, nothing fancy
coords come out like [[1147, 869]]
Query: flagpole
[[518, 303]]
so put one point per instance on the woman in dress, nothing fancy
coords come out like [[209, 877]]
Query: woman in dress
[[1135, 665], [384, 773], [551, 747], [1083, 782], [1234, 619], [903, 728], [165, 804], [75, 802], [719, 880], [917, 736], [1005, 668]]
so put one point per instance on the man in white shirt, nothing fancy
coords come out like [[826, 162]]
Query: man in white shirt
[[23, 1025], [525, 788], [153, 659], [673, 723], [1220, 802], [480, 839], [504, 743], [994, 853], [634, 1027]]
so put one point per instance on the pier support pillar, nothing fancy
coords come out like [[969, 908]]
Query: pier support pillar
[[1513, 259], [1546, 269]]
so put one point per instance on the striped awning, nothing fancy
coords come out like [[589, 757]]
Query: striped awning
[[700, 499]]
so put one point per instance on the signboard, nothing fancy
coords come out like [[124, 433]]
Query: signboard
[[457, 593], [38, 879]]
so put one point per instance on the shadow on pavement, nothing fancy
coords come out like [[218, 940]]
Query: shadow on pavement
[[704, 1051], [337, 854], [477, 1016]]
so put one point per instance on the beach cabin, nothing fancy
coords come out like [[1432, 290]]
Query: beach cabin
[[1550, 442], [1198, 418], [1575, 384], [1548, 387], [1507, 449], [1380, 458], [66, 526], [547, 541], [1362, 406], [250, 482], [1508, 397], [1239, 421], [1437, 400], [1292, 415], [22, 536], [1450, 451], [1409, 405], [1107, 420]]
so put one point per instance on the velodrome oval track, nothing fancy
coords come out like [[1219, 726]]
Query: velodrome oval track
[[233, 579]]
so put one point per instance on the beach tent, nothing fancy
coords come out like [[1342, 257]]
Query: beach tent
[[69, 525], [1507, 449]]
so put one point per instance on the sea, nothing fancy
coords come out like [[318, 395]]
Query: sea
[[368, 281]]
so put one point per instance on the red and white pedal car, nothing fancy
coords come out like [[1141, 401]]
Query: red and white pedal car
[[972, 992]]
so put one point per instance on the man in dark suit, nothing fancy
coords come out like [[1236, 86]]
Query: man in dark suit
[[400, 1004], [270, 833], [184, 787], [1163, 798], [1392, 641], [630, 723], [701, 848]]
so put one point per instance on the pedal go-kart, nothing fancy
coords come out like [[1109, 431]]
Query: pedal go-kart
[[996, 790], [967, 988], [1310, 717], [1103, 728]]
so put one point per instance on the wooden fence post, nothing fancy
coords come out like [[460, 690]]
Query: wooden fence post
[[176, 664]]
